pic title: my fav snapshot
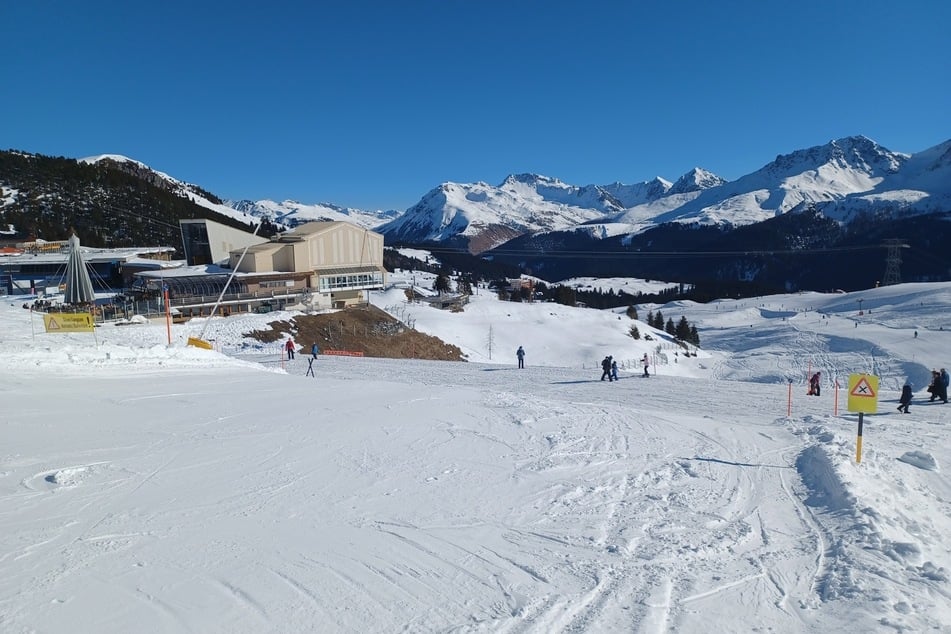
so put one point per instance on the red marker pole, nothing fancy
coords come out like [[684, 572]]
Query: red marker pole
[[168, 316]]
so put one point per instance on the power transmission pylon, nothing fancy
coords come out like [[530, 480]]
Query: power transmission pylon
[[893, 260]]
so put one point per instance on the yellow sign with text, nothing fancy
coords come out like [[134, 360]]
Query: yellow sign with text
[[863, 393], [68, 322]]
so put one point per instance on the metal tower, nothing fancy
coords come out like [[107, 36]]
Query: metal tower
[[893, 260]]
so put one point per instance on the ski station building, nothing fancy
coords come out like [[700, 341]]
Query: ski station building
[[317, 265]]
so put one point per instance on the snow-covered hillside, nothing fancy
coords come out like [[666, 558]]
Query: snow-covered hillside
[[147, 485], [163, 180]]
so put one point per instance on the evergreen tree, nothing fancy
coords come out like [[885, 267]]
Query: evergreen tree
[[464, 285], [442, 284], [670, 328], [632, 312], [634, 332], [565, 295], [658, 321], [683, 329], [694, 336]]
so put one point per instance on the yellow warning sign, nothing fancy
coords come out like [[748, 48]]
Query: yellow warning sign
[[68, 322], [863, 393]]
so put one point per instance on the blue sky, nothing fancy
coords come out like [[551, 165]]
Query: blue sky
[[372, 104]]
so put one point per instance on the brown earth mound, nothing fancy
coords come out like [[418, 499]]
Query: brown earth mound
[[365, 329]]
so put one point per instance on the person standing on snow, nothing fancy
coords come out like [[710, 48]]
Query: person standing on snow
[[933, 385], [606, 368], [614, 369], [905, 400], [646, 361], [314, 350], [941, 385], [289, 346], [815, 385], [520, 353]]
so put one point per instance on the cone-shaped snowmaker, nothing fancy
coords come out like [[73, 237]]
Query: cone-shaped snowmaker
[[78, 283]]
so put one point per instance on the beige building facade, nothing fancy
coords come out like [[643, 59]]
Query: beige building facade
[[335, 262]]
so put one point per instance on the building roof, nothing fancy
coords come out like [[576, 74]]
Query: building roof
[[350, 270], [90, 255]]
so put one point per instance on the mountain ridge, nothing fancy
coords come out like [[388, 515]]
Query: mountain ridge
[[854, 183]]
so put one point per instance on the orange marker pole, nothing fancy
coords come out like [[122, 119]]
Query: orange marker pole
[[858, 442], [835, 398]]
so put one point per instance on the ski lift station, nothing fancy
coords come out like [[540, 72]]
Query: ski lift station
[[316, 265]]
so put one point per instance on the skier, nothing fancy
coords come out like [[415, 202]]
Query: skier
[[943, 385], [520, 353], [905, 399], [646, 363], [933, 387], [614, 369], [290, 348], [606, 368], [815, 385], [314, 350]]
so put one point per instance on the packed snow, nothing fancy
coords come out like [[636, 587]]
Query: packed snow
[[152, 486]]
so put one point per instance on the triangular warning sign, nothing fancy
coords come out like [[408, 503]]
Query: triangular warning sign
[[53, 325], [863, 388]]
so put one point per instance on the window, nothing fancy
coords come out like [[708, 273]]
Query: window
[[338, 282]]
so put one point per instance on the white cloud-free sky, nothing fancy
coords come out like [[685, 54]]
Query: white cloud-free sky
[[156, 487], [372, 104]]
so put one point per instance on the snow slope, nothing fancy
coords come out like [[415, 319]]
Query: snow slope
[[149, 486]]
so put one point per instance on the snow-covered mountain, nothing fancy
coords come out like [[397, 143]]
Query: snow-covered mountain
[[482, 216], [842, 179], [291, 213], [826, 176], [285, 214], [168, 183]]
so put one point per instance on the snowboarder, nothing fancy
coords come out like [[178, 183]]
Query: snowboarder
[[646, 361], [815, 385], [905, 400], [289, 346], [520, 353], [314, 350], [606, 368]]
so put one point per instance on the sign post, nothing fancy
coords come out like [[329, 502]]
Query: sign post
[[863, 398], [789, 400]]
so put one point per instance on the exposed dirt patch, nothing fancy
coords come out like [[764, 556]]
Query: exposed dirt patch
[[365, 329]]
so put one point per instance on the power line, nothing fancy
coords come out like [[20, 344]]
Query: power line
[[557, 253]]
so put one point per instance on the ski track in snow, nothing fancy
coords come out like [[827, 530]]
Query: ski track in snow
[[661, 505]]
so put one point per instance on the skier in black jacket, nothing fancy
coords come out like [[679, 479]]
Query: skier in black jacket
[[905, 400]]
